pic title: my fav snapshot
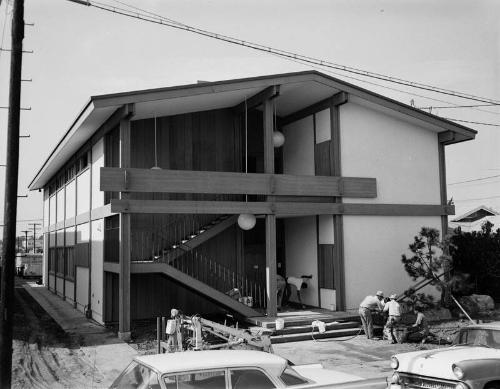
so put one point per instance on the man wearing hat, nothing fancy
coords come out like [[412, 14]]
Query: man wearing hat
[[394, 310], [375, 303]]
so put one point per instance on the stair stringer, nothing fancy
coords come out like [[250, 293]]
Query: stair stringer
[[196, 285]]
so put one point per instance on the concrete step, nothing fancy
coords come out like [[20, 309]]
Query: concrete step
[[307, 328], [304, 321], [314, 334]]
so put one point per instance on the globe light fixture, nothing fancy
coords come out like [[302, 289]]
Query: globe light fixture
[[278, 139], [246, 221]]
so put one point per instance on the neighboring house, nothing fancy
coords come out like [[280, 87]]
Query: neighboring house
[[474, 219], [142, 196]]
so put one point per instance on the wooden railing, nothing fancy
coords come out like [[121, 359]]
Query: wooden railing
[[220, 277]]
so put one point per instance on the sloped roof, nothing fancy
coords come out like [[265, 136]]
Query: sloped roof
[[475, 214], [297, 91]]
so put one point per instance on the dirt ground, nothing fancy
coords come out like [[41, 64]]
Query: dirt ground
[[47, 357], [44, 356]]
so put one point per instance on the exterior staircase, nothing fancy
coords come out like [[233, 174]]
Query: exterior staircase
[[171, 250]]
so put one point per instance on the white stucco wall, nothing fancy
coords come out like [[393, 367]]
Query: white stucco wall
[[373, 246], [301, 247], [97, 163], [401, 156], [298, 150], [97, 271]]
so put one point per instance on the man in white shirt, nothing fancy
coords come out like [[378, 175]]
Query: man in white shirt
[[370, 303], [394, 310]]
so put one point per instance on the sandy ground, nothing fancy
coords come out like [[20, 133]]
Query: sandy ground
[[47, 357], [44, 356]]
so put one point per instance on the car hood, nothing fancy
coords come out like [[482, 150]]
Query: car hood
[[320, 375], [438, 363]]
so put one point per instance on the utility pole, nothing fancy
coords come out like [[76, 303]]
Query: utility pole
[[10, 202], [34, 235], [26, 241]]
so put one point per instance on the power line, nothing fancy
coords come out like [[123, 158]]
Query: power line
[[479, 198], [459, 106], [470, 122], [475, 179], [157, 19], [408, 93]]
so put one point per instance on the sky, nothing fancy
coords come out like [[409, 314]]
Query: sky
[[82, 51]]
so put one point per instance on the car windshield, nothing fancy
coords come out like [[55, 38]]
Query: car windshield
[[479, 337]]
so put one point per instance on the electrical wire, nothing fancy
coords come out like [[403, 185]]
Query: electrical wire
[[283, 53], [405, 92], [475, 179], [479, 198], [469, 121]]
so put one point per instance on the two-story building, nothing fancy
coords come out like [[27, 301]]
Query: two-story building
[[170, 197]]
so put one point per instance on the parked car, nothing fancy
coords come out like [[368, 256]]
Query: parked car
[[472, 362], [231, 369]]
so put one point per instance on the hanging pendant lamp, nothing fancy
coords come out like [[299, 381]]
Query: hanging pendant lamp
[[278, 137], [246, 221]]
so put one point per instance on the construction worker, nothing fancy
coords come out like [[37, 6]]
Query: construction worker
[[280, 289], [369, 304], [394, 309]]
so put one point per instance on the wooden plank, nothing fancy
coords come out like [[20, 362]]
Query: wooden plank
[[336, 99], [277, 208], [257, 99], [271, 293], [446, 137], [338, 222], [188, 181], [125, 246], [442, 187]]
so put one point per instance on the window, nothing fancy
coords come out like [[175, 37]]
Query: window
[[52, 260], [69, 270], [60, 261], [290, 377], [250, 379], [197, 380], [137, 376], [112, 239]]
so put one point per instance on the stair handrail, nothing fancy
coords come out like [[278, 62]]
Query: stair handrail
[[228, 277]]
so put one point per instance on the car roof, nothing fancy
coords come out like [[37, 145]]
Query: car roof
[[494, 325], [212, 359]]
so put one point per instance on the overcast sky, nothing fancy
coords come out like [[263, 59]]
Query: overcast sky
[[82, 51]]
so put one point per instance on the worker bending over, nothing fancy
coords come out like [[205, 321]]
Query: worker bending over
[[369, 304]]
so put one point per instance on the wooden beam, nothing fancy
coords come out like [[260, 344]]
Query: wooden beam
[[125, 111], [258, 99], [277, 208], [124, 332], [338, 222], [446, 137], [335, 100], [271, 293], [188, 181], [442, 187]]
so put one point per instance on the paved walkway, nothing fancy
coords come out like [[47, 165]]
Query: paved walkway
[[109, 354]]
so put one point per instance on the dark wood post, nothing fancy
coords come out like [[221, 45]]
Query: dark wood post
[[10, 202], [124, 277], [272, 309]]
